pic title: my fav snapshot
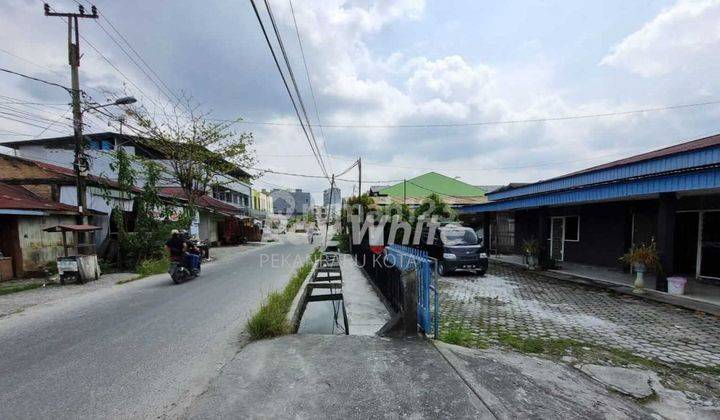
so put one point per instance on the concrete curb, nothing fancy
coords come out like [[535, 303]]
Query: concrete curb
[[382, 297], [488, 400], [649, 294], [298, 306]]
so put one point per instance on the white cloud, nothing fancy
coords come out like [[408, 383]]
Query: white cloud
[[358, 83], [367, 88], [680, 38]]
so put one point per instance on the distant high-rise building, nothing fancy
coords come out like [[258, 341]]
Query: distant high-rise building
[[291, 202], [335, 201]]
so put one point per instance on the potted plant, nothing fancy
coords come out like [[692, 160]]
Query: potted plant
[[532, 251], [640, 258]]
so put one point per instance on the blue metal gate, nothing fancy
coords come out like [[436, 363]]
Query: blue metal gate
[[406, 258]]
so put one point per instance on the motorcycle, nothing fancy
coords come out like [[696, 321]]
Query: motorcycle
[[185, 268]]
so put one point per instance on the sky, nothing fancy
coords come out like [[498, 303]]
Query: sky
[[395, 63]]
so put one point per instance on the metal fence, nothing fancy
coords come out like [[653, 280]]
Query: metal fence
[[407, 258], [385, 277]]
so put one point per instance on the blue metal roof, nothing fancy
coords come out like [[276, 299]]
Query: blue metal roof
[[672, 182], [674, 162]]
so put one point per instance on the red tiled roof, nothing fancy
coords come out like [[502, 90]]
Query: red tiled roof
[[15, 197], [203, 201]]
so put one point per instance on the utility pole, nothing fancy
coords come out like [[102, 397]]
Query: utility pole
[[404, 192], [80, 164], [329, 209], [359, 177]]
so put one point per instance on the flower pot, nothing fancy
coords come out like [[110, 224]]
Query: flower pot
[[532, 262], [639, 285]]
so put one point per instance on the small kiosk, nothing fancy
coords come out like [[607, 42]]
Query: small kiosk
[[83, 265]]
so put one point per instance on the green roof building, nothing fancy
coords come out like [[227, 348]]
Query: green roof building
[[453, 191]]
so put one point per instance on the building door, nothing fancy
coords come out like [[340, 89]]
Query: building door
[[10, 244], [709, 244], [686, 242], [557, 238]]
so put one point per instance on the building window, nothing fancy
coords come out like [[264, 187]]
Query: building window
[[572, 228], [101, 145]]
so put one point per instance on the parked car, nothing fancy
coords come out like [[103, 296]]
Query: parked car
[[455, 247]]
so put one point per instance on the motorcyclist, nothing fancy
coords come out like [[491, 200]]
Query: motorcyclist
[[176, 246], [192, 260]]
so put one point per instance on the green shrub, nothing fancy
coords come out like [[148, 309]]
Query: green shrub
[[457, 335], [6, 289], [271, 319], [152, 267]]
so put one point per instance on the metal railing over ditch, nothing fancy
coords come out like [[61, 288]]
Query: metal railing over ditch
[[407, 258]]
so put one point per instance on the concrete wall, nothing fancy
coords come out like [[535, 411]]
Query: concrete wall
[[208, 229], [604, 233], [98, 200], [605, 230], [40, 248], [100, 160]]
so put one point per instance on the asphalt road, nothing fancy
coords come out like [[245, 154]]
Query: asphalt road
[[142, 349]]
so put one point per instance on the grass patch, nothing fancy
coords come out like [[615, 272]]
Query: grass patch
[[152, 267], [461, 336], [271, 319], [6, 289], [148, 268], [702, 381], [525, 345]]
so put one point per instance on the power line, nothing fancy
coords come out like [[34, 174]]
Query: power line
[[25, 115], [57, 72], [51, 124], [142, 70], [271, 171], [312, 91], [295, 85], [285, 83], [348, 169], [116, 42], [29, 123], [282, 76], [498, 122], [37, 79]]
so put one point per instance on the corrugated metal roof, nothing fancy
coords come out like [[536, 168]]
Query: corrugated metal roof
[[684, 156], [203, 200], [433, 182], [702, 143], [67, 174], [636, 188], [416, 201], [16, 197], [144, 144]]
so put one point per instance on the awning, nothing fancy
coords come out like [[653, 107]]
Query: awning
[[72, 228]]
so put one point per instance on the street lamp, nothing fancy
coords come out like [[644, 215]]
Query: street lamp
[[80, 165], [125, 100]]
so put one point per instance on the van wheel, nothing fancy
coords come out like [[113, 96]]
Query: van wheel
[[480, 273], [442, 270]]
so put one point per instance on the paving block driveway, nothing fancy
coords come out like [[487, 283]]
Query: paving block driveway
[[526, 304]]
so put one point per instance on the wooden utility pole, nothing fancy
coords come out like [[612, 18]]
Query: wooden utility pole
[[329, 210], [404, 192], [359, 177], [80, 164]]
